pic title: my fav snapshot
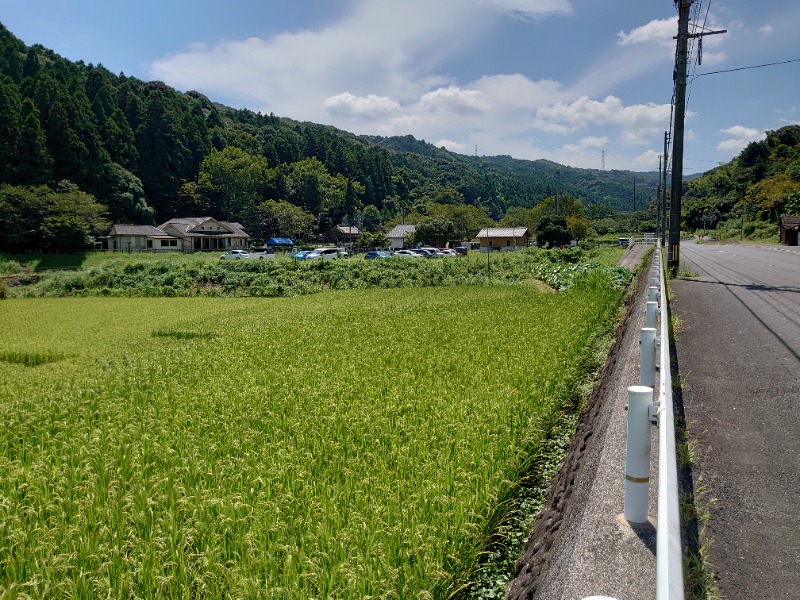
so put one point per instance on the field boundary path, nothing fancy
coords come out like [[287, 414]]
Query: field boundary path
[[738, 353], [581, 545]]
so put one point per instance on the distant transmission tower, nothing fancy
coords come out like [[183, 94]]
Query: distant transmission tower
[[476, 150], [603, 160]]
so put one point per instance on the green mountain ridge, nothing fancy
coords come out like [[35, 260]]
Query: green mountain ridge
[[84, 147]]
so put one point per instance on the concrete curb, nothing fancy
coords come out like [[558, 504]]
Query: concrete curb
[[580, 544]]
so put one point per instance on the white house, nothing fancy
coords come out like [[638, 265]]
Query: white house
[[183, 234]]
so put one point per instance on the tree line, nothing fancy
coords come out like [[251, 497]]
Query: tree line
[[144, 153]]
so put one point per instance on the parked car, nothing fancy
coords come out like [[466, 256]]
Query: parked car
[[406, 254], [377, 254], [326, 254], [624, 242], [429, 250], [235, 255], [445, 252], [262, 253], [300, 254], [461, 250]]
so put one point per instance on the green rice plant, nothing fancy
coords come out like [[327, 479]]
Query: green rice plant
[[180, 334], [349, 444], [30, 359]]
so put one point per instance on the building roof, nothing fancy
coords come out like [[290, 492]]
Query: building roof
[[184, 226], [147, 230], [190, 225], [502, 232], [792, 222], [345, 230], [401, 231]]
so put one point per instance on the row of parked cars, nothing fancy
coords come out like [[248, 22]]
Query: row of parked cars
[[329, 253], [425, 252], [269, 253]]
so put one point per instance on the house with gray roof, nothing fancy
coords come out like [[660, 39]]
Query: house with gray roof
[[398, 236], [187, 234]]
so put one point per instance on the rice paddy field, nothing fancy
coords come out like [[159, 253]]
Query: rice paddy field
[[345, 444]]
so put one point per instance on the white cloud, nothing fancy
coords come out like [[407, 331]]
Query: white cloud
[[740, 131], [454, 99], [382, 48], [451, 145], [659, 31], [586, 143], [738, 137], [640, 123], [765, 29], [348, 105], [531, 9]]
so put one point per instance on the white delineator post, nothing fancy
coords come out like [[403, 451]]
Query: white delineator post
[[647, 357], [651, 314], [637, 460]]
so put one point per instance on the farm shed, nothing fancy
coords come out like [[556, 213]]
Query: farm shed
[[789, 230], [503, 238], [398, 236]]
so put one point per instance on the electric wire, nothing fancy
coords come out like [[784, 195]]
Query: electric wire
[[772, 64]]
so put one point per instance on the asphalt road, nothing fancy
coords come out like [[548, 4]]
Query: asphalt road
[[738, 352]]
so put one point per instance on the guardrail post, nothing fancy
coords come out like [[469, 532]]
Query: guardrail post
[[653, 297], [647, 357], [651, 314], [637, 459]]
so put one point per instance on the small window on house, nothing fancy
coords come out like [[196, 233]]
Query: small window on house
[[490, 242]]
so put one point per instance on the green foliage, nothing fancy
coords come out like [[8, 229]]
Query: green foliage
[[291, 454], [553, 232], [279, 219], [43, 219], [373, 240], [434, 231], [123, 275], [757, 187]]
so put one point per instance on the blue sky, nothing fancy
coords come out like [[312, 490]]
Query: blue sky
[[565, 80]]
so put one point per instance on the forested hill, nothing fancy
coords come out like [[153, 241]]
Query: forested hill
[[148, 153], [750, 193]]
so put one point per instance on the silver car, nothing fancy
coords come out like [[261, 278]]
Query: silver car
[[235, 255], [327, 254]]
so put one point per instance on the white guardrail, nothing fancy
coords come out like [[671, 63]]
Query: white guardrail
[[669, 557], [643, 412]]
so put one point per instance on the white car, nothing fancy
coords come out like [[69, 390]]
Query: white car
[[262, 253], [406, 254], [235, 255], [327, 254]]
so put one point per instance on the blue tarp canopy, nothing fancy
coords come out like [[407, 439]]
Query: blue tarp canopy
[[279, 242]]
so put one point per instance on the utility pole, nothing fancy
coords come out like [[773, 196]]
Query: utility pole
[[663, 175], [658, 204], [673, 249], [558, 201], [634, 192]]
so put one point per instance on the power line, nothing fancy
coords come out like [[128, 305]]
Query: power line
[[772, 64]]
